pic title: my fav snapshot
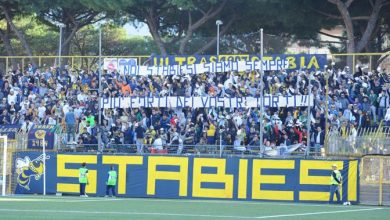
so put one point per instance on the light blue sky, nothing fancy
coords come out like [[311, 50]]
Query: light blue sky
[[142, 30]]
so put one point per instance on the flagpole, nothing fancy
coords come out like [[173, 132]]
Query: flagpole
[[261, 93]]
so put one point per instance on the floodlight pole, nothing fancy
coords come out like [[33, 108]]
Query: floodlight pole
[[220, 142], [100, 91], [326, 132], [44, 164], [308, 122], [60, 47], [4, 164], [261, 92], [218, 23]]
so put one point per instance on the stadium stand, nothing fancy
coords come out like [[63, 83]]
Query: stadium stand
[[69, 98]]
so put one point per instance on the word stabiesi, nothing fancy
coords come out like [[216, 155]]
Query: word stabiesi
[[206, 102], [193, 177], [193, 69]]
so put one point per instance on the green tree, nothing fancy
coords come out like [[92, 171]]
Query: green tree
[[9, 9], [172, 23], [363, 20], [283, 23], [70, 14], [115, 42]]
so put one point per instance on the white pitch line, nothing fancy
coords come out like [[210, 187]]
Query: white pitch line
[[235, 202], [128, 213], [53, 200], [185, 215], [316, 213]]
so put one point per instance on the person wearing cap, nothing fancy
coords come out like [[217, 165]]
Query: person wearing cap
[[335, 182], [111, 182], [83, 179]]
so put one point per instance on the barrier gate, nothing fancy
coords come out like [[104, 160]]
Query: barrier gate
[[375, 180]]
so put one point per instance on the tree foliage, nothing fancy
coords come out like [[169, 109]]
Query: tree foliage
[[365, 22], [188, 26]]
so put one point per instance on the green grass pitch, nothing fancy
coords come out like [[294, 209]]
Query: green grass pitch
[[94, 208]]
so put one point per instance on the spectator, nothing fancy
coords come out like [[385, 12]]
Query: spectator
[[70, 121], [211, 133], [319, 138], [177, 142], [140, 134], [128, 134], [387, 117], [255, 142], [384, 103], [158, 144], [11, 97], [355, 100], [42, 110]]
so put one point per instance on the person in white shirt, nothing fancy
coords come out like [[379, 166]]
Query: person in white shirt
[[78, 111], [42, 110], [238, 118], [81, 97], [26, 101], [352, 137], [11, 97], [65, 107], [51, 120], [177, 141], [158, 144], [32, 96], [238, 143], [387, 117]]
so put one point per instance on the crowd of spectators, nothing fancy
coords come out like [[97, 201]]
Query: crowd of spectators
[[69, 98]]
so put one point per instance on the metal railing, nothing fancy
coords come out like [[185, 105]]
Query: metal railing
[[189, 149], [365, 60], [369, 141], [74, 62]]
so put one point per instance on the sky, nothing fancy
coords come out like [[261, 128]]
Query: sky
[[142, 30]]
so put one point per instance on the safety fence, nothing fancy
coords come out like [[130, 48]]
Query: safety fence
[[370, 140], [59, 144], [367, 61], [367, 141], [297, 150]]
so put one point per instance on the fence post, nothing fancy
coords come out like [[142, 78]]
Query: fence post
[[327, 133], [353, 64], [370, 68], [380, 199], [22, 65], [6, 65]]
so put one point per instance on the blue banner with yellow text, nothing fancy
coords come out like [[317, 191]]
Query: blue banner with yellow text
[[40, 133], [296, 61], [10, 130], [296, 180]]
